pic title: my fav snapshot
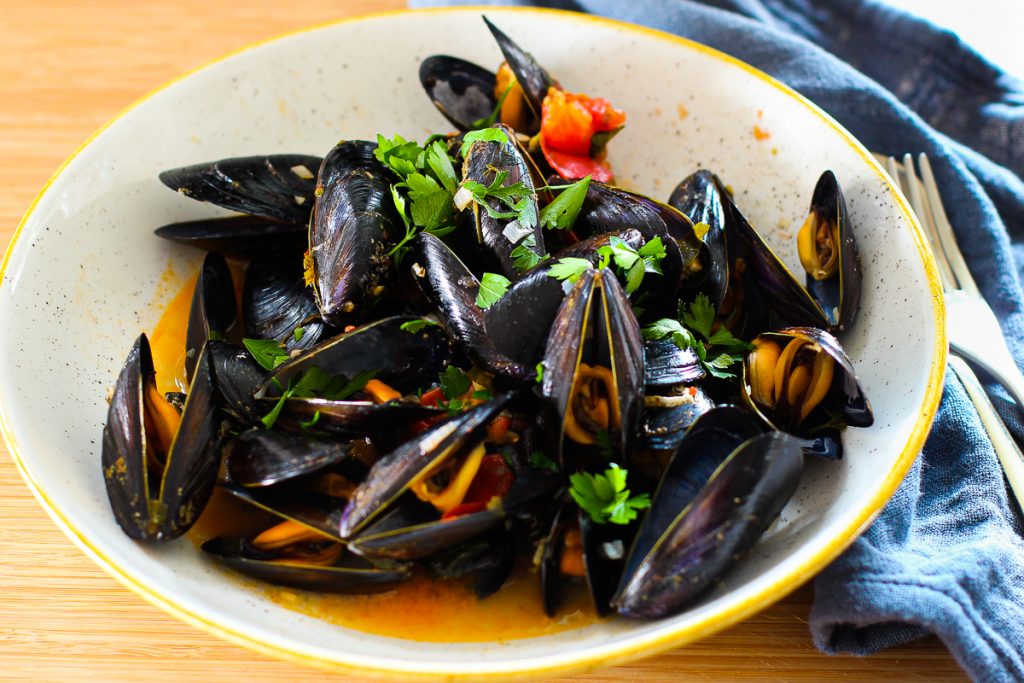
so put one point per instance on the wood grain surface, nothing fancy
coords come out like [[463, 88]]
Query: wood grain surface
[[65, 69]]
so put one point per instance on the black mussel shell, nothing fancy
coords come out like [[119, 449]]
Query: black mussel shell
[[452, 289], [500, 236], [261, 457], [489, 560], [298, 500], [278, 186], [596, 302], [276, 303], [845, 401], [461, 90], [392, 475], [698, 197], [838, 296], [411, 530], [604, 557], [236, 378], [214, 311], [384, 422], [519, 322], [666, 418], [532, 77], [666, 365], [353, 226], [351, 574], [403, 359], [704, 539], [148, 505], [240, 236]]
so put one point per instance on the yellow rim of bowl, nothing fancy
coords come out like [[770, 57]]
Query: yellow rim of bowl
[[605, 655]]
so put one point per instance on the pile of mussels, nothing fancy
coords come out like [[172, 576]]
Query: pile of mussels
[[387, 474]]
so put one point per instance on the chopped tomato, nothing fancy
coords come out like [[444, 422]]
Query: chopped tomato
[[498, 428], [432, 397], [568, 123], [574, 166]]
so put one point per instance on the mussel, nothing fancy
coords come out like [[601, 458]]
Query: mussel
[[277, 186], [159, 467], [593, 367], [278, 305], [799, 379], [352, 228], [239, 236], [213, 313], [461, 90], [699, 526]]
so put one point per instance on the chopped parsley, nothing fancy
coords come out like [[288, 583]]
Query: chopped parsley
[[543, 462], [524, 257], [519, 200], [632, 263], [315, 383], [267, 352], [455, 384], [482, 135], [561, 213], [569, 268], [492, 288], [415, 326], [605, 497], [427, 184], [717, 351]]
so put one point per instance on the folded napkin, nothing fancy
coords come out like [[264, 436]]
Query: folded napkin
[[946, 555]]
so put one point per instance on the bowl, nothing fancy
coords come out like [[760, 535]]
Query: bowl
[[84, 275]]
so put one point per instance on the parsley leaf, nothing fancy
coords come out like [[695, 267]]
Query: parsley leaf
[[524, 257], [652, 253], [400, 155], [569, 268], [441, 164], [699, 316], [309, 424], [631, 262], [517, 197], [267, 352], [414, 326], [492, 288], [540, 372], [543, 462], [561, 213], [605, 497], [454, 382], [482, 135], [298, 333]]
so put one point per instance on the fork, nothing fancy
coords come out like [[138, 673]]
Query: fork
[[972, 328]]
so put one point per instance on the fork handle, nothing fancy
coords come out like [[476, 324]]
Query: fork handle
[[1010, 456], [1009, 377]]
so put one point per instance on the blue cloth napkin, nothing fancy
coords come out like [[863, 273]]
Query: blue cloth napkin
[[946, 555]]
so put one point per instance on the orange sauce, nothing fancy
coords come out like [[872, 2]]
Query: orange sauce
[[423, 608]]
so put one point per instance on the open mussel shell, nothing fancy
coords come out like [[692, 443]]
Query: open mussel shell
[[260, 457], [157, 489], [489, 560], [719, 526], [698, 197], [484, 160], [385, 422], [307, 501], [403, 359], [351, 573], [278, 186], [595, 326], [411, 530], [236, 378], [353, 226], [277, 304], [532, 77], [452, 289], [461, 90], [519, 322], [394, 473], [807, 385], [214, 312], [826, 242], [240, 236]]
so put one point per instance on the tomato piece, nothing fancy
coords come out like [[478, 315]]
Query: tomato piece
[[605, 116], [493, 479], [463, 509], [432, 397], [566, 124], [573, 166]]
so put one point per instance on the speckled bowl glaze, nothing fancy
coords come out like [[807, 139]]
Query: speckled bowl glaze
[[84, 275]]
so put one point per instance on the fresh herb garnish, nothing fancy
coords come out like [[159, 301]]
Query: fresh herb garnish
[[561, 213], [717, 351], [267, 352], [517, 198], [455, 384], [605, 497], [492, 288], [633, 263], [543, 462], [315, 383], [482, 135], [415, 326], [423, 196], [569, 268], [540, 372], [524, 257], [309, 424], [298, 333]]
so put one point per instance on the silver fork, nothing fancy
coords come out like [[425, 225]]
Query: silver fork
[[972, 328]]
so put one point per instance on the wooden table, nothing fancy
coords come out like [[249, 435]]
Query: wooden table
[[67, 67]]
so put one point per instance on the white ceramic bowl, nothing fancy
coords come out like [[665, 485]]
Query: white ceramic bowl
[[84, 275]]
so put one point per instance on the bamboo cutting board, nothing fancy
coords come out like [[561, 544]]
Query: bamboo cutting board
[[66, 68]]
